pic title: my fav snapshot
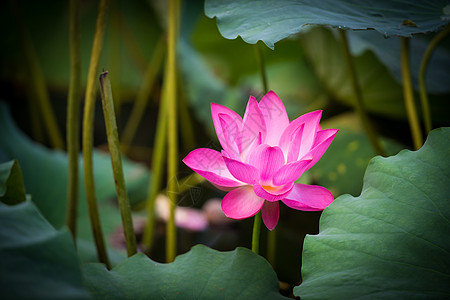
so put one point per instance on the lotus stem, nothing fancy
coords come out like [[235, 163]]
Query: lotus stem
[[116, 161], [170, 95], [359, 103], [88, 120], [408, 95], [73, 114], [256, 233], [422, 71], [153, 69]]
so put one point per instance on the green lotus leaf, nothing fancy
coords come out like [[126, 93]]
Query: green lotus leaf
[[391, 242], [37, 261], [271, 21], [12, 189], [45, 174], [202, 273]]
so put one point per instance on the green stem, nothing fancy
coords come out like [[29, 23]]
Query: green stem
[[116, 161], [159, 151], [256, 233], [38, 82], [408, 95], [262, 67], [271, 246], [359, 104], [423, 68], [88, 120], [170, 86], [73, 114], [153, 69]]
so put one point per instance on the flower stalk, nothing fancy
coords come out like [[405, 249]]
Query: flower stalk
[[408, 95], [256, 233], [87, 136], [359, 103], [116, 160], [422, 71], [170, 95], [73, 114]]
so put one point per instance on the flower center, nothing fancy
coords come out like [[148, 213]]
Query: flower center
[[272, 189]]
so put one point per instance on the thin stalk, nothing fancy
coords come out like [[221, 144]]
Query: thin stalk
[[262, 67], [73, 114], [359, 104], [170, 94], [116, 161], [271, 246], [423, 68], [408, 95], [256, 233], [158, 155], [88, 120], [37, 81], [153, 69]]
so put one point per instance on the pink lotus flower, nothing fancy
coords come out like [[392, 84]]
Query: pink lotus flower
[[263, 154]]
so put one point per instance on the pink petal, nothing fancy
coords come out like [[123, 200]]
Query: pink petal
[[308, 197], [231, 139], [294, 145], [268, 160], [272, 193], [323, 141], [241, 203], [242, 171], [275, 117], [217, 109], [253, 124], [246, 150], [210, 164], [290, 172], [270, 214], [310, 121]]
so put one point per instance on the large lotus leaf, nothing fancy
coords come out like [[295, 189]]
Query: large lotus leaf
[[202, 273], [388, 52], [45, 176], [391, 242], [271, 21], [37, 261], [342, 167], [12, 189]]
